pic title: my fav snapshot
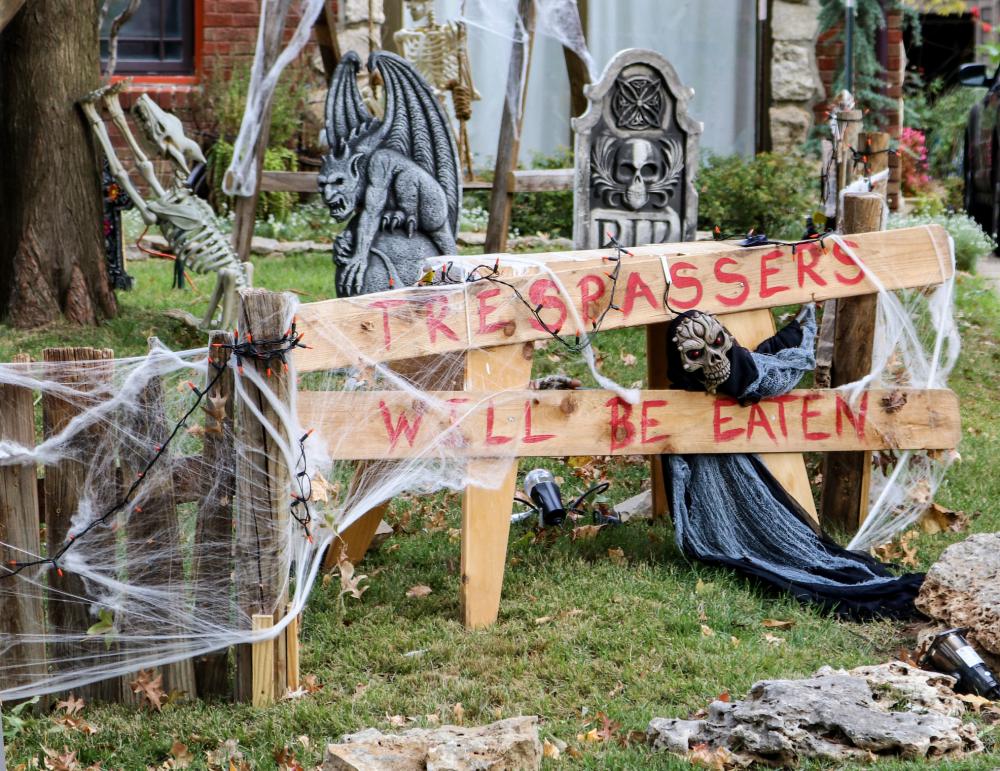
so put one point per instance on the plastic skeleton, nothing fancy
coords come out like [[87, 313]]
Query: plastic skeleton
[[186, 221], [440, 52]]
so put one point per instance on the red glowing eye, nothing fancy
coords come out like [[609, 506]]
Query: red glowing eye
[[718, 340], [694, 354]]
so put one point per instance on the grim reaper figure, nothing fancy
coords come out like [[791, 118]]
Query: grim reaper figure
[[396, 178], [729, 510]]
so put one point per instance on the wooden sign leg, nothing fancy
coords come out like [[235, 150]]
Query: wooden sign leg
[[751, 328], [656, 369], [486, 511]]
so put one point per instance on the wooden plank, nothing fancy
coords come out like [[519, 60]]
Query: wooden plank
[[519, 181], [82, 369], [846, 478], [262, 480], [263, 662], [356, 538], [292, 653], [511, 121], [522, 423], [213, 542], [152, 530], [21, 609], [486, 510], [717, 278], [875, 146]]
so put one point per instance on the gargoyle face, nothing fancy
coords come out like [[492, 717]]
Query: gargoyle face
[[166, 132], [340, 182], [637, 163]]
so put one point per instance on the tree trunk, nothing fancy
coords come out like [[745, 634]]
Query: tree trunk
[[51, 242]]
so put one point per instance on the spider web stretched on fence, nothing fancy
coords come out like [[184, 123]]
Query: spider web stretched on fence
[[157, 550]]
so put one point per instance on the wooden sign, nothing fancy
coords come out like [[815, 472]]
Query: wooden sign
[[719, 278], [390, 424]]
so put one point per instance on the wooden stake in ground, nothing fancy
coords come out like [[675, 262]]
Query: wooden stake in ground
[[846, 475], [502, 198], [21, 612], [263, 487]]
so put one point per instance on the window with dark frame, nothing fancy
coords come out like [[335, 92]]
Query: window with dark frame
[[157, 40]]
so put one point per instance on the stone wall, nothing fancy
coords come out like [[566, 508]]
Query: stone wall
[[795, 80]]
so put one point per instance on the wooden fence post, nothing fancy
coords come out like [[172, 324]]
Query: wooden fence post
[[263, 493], [79, 368], [502, 197], [21, 611], [213, 562], [846, 475]]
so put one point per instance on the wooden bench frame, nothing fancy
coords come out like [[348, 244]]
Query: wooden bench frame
[[743, 284]]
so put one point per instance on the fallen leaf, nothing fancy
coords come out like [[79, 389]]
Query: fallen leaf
[[608, 728], [894, 401], [717, 759], [459, 712], [617, 555], [579, 461], [182, 757], [734, 641], [311, 683], [433, 719], [418, 591], [591, 736], [75, 724], [628, 359], [285, 760], [974, 701], [149, 688], [775, 623], [397, 721], [543, 620], [60, 761], [707, 631], [938, 519], [349, 583], [359, 690], [549, 750], [574, 753], [585, 532], [70, 705], [724, 696], [901, 550], [619, 687], [774, 640]]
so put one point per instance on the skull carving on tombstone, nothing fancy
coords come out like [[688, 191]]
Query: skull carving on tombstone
[[638, 163], [703, 344]]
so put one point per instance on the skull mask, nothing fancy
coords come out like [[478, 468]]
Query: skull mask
[[703, 344], [638, 163]]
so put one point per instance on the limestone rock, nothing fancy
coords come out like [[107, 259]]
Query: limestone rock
[[833, 716], [508, 745], [790, 126], [963, 589], [637, 507], [794, 76], [794, 21]]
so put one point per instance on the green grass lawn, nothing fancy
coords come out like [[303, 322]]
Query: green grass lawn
[[583, 634]]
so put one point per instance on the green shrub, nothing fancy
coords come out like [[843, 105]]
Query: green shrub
[[970, 240], [942, 115], [769, 193], [270, 205]]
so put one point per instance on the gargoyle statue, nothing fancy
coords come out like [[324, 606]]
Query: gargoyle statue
[[397, 176], [186, 221]]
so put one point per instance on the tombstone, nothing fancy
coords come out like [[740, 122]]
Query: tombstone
[[636, 155]]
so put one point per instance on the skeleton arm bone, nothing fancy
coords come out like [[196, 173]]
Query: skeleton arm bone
[[117, 170], [145, 165]]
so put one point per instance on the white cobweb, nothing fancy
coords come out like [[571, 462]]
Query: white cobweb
[[170, 566]]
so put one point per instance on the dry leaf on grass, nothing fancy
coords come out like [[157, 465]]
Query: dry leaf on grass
[[777, 623], [459, 712], [628, 359], [974, 702], [707, 631], [180, 755], [349, 583], [70, 705], [61, 761], [585, 532], [285, 760], [75, 724], [149, 688], [717, 759], [774, 640], [938, 519], [617, 555], [418, 591], [549, 750], [901, 550], [396, 721]]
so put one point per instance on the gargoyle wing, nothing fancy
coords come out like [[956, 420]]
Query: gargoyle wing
[[346, 113], [415, 125]]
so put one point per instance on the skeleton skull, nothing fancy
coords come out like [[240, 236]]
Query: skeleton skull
[[703, 344], [638, 162]]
